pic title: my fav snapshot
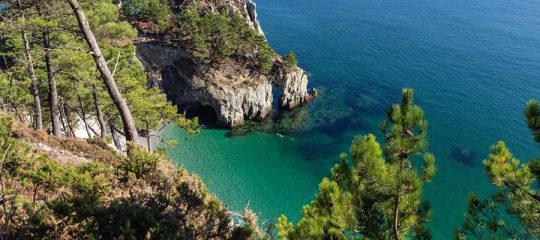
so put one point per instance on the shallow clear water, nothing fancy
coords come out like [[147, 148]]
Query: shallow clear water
[[473, 65]]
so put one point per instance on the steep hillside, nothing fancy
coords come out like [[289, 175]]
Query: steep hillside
[[68, 188]]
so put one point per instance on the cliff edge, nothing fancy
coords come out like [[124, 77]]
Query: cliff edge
[[235, 87]]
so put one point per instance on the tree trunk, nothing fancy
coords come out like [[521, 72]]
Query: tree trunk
[[98, 113], [147, 134], [114, 135], [129, 125], [38, 119], [53, 93], [63, 120], [84, 116], [69, 130], [395, 224]]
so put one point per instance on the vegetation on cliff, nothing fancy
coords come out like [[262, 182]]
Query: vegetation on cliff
[[290, 59], [212, 32], [56, 186], [61, 69], [88, 190]]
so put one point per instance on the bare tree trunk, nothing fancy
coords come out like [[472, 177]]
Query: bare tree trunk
[[114, 135], [129, 125], [38, 119], [64, 119], [98, 113], [395, 222], [147, 134], [68, 121], [84, 116], [53, 93]]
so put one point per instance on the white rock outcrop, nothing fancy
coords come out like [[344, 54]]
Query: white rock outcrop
[[233, 90]]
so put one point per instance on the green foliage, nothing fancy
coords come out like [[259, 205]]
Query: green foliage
[[483, 217], [15, 82], [284, 227], [377, 186], [327, 217], [518, 193], [509, 175], [139, 162], [15, 155], [290, 59], [214, 37], [150, 108], [532, 113], [243, 232], [155, 11], [94, 200], [265, 58]]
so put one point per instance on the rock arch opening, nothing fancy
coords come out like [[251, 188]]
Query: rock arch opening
[[207, 115], [276, 95]]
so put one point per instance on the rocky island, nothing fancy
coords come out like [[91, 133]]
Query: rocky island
[[233, 84]]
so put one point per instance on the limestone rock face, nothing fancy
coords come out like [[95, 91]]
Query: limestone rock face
[[293, 84], [235, 91], [232, 91], [251, 9]]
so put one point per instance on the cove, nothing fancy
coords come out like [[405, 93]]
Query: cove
[[473, 65]]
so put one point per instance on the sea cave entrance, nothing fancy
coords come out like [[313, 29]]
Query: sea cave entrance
[[207, 115]]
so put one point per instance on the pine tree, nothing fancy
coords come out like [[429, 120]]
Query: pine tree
[[377, 194], [130, 129], [405, 138], [152, 111], [532, 113], [38, 119], [290, 59], [518, 192]]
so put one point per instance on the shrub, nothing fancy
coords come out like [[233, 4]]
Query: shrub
[[214, 37], [290, 59], [139, 162], [155, 11]]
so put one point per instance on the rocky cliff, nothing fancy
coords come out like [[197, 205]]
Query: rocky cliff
[[233, 89]]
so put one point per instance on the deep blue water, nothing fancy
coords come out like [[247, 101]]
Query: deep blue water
[[473, 65]]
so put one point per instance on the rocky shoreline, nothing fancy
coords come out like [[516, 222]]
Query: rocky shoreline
[[232, 89]]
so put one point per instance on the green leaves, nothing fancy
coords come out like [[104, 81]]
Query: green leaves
[[327, 217], [284, 227], [429, 166], [501, 166], [290, 59], [214, 37], [153, 11], [518, 192], [378, 185], [532, 113], [483, 217], [139, 163]]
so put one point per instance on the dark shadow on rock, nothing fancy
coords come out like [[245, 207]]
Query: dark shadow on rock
[[206, 114]]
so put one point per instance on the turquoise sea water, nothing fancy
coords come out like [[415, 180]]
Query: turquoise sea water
[[473, 65]]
